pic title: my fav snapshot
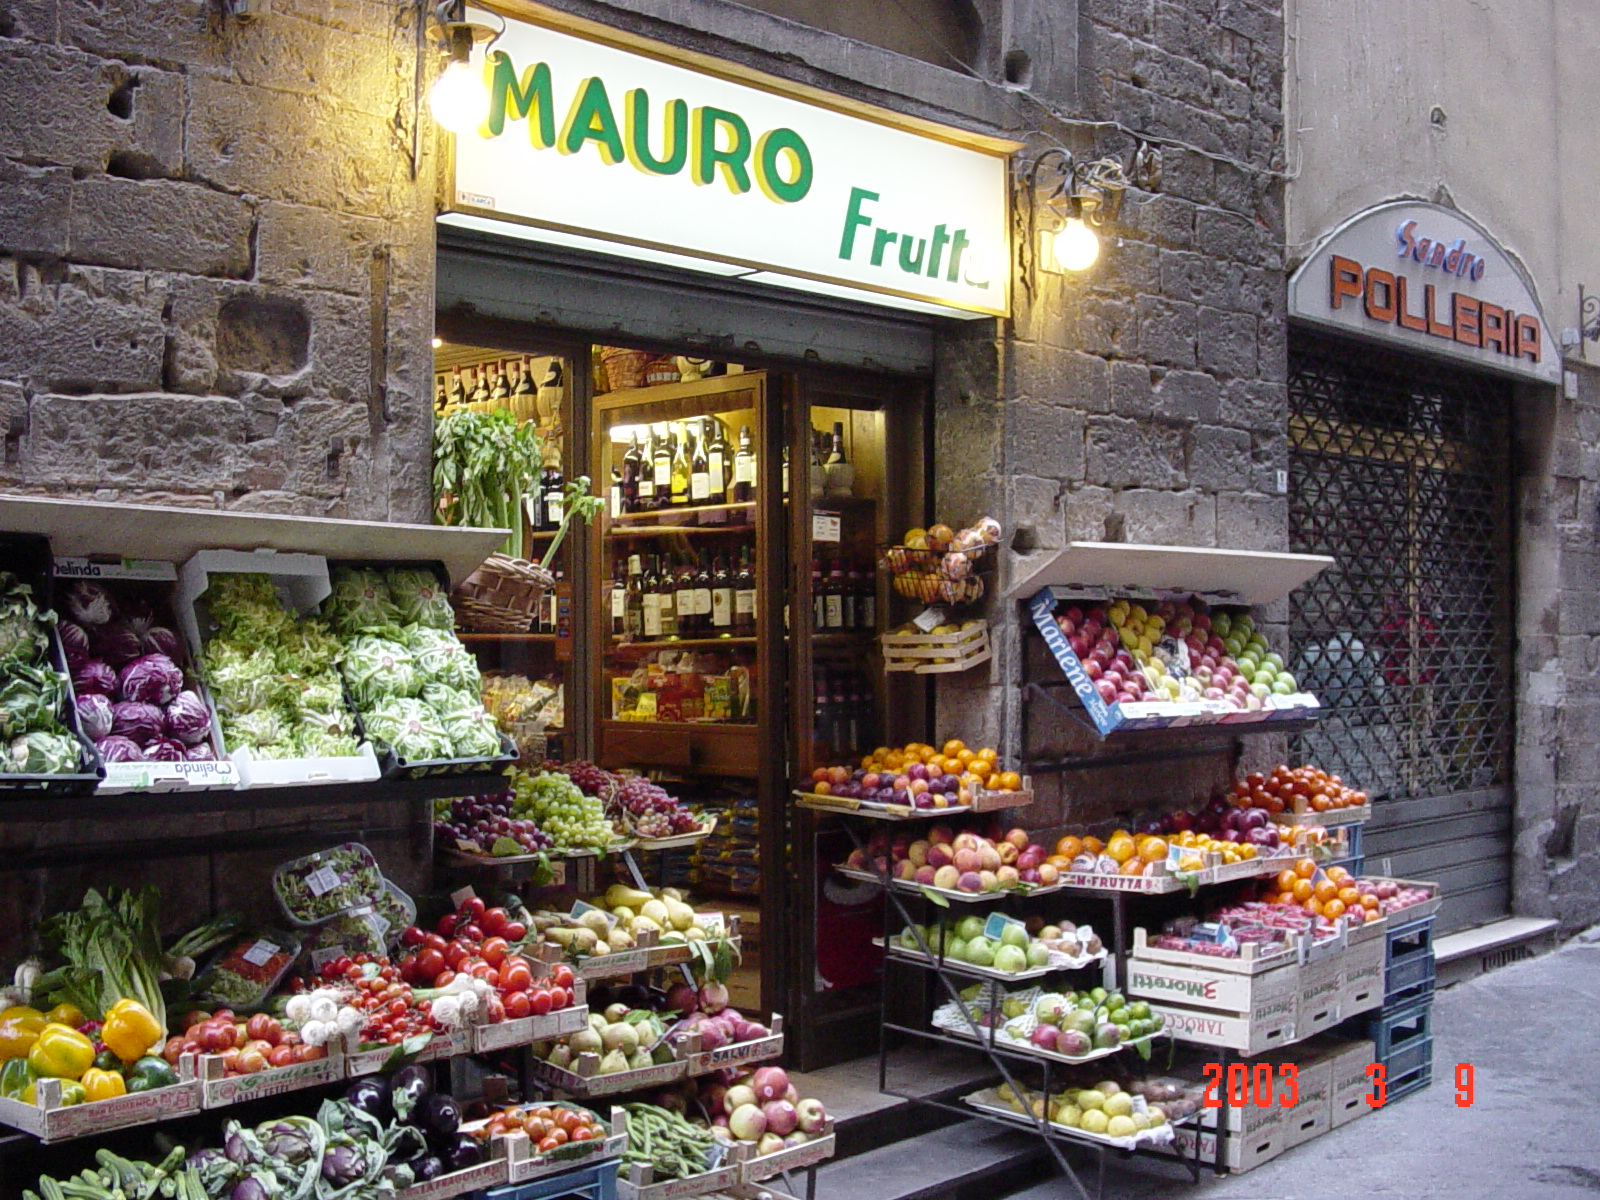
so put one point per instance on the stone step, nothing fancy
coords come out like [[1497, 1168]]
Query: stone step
[[968, 1160]]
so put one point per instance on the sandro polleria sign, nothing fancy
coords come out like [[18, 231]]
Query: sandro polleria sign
[[595, 133]]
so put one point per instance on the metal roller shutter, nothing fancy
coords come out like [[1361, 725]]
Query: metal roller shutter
[[1401, 469]]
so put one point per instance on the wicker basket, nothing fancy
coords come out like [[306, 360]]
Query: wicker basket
[[502, 596], [661, 370], [625, 368]]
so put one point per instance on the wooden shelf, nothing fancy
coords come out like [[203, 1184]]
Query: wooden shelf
[[656, 514], [470, 638], [649, 531], [672, 643]]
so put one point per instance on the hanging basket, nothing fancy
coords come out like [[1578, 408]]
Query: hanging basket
[[502, 596], [625, 368]]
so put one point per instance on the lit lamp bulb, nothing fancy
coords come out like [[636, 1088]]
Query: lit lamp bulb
[[1076, 246], [459, 101]]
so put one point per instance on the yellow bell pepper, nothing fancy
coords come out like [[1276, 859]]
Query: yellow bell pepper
[[65, 1013], [62, 1052], [30, 1018], [71, 1093], [17, 1037], [130, 1030], [103, 1085]]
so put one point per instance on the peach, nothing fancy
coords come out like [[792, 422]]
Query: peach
[[1008, 874], [905, 869], [970, 881], [857, 861], [1007, 852], [940, 855], [966, 841], [1018, 838], [989, 880], [925, 875], [967, 859], [839, 775], [989, 859], [941, 835], [917, 852], [946, 877], [1030, 858]]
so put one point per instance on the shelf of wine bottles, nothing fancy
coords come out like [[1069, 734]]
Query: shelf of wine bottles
[[684, 465]]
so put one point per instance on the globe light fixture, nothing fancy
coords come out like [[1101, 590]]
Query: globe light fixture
[[1066, 201], [459, 99], [1076, 246]]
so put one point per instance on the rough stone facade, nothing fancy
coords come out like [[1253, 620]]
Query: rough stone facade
[[216, 264]]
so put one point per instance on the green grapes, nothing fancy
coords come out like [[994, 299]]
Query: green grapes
[[573, 820]]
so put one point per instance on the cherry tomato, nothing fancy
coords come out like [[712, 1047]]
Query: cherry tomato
[[539, 1000], [514, 931], [517, 1005], [397, 1007], [515, 976], [494, 920], [494, 951], [472, 907], [413, 936], [447, 925]]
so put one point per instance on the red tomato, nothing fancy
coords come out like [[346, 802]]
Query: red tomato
[[562, 976], [444, 978], [540, 1000], [517, 1005], [560, 997], [280, 1056], [514, 931], [494, 951], [456, 955], [265, 1028], [470, 932], [494, 920], [583, 1133], [447, 924], [472, 907], [434, 942], [515, 975], [252, 1061], [429, 963], [413, 936]]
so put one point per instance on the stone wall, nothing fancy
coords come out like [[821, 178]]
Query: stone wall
[[1142, 400], [216, 264]]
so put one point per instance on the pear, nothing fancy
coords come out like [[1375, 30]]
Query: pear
[[621, 893], [619, 940], [613, 1063], [656, 911], [640, 1059], [623, 914], [596, 921], [585, 1041], [679, 914]]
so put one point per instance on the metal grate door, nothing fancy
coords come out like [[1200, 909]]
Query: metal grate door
[[1400, 468]]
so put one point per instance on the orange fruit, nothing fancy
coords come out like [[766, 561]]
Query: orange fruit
[[1134, 866], [1152, 849], [1369, 902], [1326, 890], [1010, 781], [965, 756], [821, 789], [988, 754], [1060, 861], [1120, 847], [1313, 907], [954, 747], [1303, 891], [1350, 896], [1305, 868], [1093, 845], [1333, 909], [1287, 879], [1069, 847], [981, 768], [1339, 875]]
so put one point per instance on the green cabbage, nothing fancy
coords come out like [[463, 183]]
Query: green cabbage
[[23, 627], [420, 598], [30, 698], [246, 608], [316, 741], [444, 699], [408, 727], [260, 729], [41, 752], [359, 601], [309, 648], [473, 732], [441, 658], [377, 667]]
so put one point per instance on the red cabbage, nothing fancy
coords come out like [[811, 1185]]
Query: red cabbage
[[117, 748], [90, 602], [94, 715], [153, 679], [94, 676], [164, 749], [75, 641], [200, 752], [158, 639], [141, 722], [187, 719], [117, 644]]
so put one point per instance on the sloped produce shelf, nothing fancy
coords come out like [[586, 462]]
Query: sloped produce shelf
[[1249, 577]]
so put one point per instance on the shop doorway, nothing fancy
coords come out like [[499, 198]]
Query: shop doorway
[[1401, 469]]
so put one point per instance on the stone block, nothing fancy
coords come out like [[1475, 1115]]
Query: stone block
[[1045, 440], [1579, 612], [1165, 220], [1035, 508], [160, 225], [1167, 331], [34, 207], [1202, 280], [1228, 235], [1124, 453], [325, 440], [1107, 325], [1085, 510], [1272, 351], [64, 108], [1226, 343], [1252, 404], [1219, 458], [1130, 267], [1163, 518], [1131, 389], [1187, 396], [1252, 522], [1230, 98], [1170, 75], [1252, 20], [13, 429], [1187, 175], [300, 246], [80, 328], [144, 440], [29, 20], [1056, 376]]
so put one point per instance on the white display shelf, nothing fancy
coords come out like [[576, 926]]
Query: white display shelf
[[1249, 576]]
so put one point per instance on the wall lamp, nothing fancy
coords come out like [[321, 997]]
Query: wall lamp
[[459, 100], [1074, 197]]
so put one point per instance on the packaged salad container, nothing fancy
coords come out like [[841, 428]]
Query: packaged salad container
[[312, 889], [397, 908], [244, 973], [359, 931]]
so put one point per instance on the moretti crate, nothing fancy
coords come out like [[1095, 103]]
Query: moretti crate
[[1351, 1083], [1317, 996], [1363, 976], [51, 1121], [937, 653], [1239, 1153], [370, 1061], [1248, 1012], [524, 1031], [523, 1162], [585, 1079]]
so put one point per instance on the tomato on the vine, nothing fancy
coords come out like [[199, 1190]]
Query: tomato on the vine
[[472, 907], [514, 931], [494, 920], [517, 1005], [515, 976], [540, 1000], [471, 932], [494, 951], [413, 936], [562, 976], [448, 924]]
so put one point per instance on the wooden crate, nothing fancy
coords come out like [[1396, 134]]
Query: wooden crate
[[1351, 1084], [370, 1062], [1321, 985], [584, 1081], [1251, 960], [639, 1182], [1302, 814], [702, 1062], [936, 653], [1363, 976], [758, 1167], [50, 1121], [218, 1088], [524, 1031], [1240, 1154], [1262, 993]]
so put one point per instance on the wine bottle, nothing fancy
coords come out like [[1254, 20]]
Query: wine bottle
[[458, 392], [647, 472], [833, 597], [819, 600], [688, 602], [630, 476], [552, 483], [716, 463], [480, 390], [679, 476], [619, 599], [838, 475], [849, 587], [699, 470], [815, 473], [634, 626], [744, 469], [661, 462], [502, 385], [616, 492], [721, 596], [702, 596], [441, 395], [744, 597], [651, 600], [867, 600]]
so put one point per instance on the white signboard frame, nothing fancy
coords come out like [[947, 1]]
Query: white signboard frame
[[1423, 277], [600, 134]]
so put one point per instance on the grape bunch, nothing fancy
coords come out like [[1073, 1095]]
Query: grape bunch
[[489, 822], [655, 813], [574, 820], [588, 778]]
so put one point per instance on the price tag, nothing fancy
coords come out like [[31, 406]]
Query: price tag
[[260, 954], [824, 527], [461, 895], [579, 907], [709, 921], [467, 847], [996, 925], [715, 1153], [929, 619], [322, 881], [326, 955]]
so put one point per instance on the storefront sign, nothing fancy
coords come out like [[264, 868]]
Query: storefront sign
[[1426, 278], [594, 133]]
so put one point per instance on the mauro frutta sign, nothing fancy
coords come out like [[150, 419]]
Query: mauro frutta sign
[[596, 133], [1425, 278]]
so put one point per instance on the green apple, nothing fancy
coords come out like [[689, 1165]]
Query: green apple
[[956, 951], [1010, 959], [969, 927], [1122, 1126], [1139, 1010], [1090, 1099], [1275, 659], [1067, 1114], [1119, 1105], [980, 952], [1285, 677], [1097, 994], [1283, 687], [1014, 935], [1264, 676], [1038, 954]]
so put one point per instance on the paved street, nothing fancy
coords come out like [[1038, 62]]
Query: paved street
[[1532, 1034]]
